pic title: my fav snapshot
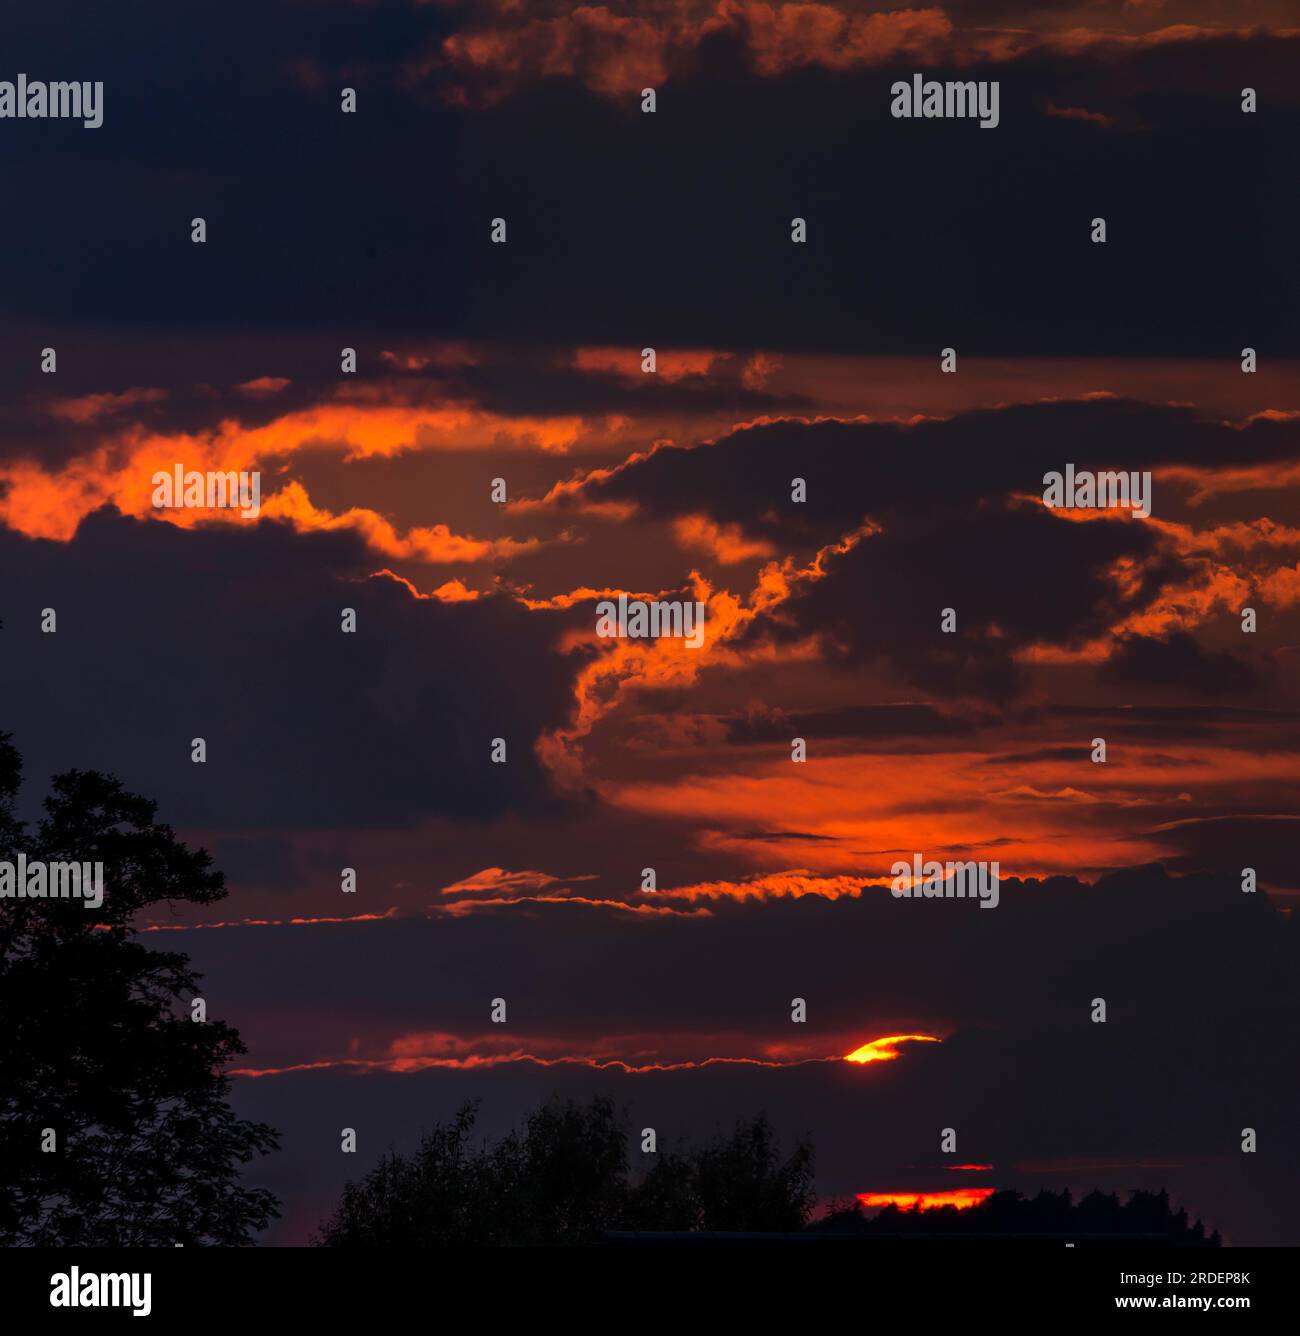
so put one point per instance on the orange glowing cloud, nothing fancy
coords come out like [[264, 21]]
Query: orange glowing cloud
[[452, 591], [155, 926], [435, 543], [789, 36], [496, 880], [1021, 799], [1282, 587], [962, 1198], [613, 53], [650, 664], [89, 407], [495, 888], [1098, 118], [507, 46], [262, 385], [792, 884], [628, 666], [1027, 804], [724, 542], [1205, 482], [440, 356], [455, 591], [357, 424], [459, 908], [47, 505]]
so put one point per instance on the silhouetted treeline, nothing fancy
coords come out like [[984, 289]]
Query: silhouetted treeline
[[566, 1178], [1006, 1213]]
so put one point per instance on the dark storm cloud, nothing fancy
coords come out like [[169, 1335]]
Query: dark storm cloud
[[1192, 721], [862, 721], [165, 635], [1177, 660], [235, 118], [505, 388], [949, 538], [1038, 755], [921, 234], [886, 595], [858, 469], [1228, 843]]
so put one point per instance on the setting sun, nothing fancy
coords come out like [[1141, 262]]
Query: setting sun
[[884, 1050]]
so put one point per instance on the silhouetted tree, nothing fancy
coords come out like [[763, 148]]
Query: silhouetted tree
[[736, 1182], [432, 1196], [97, 1043], [743, 1184], [565, 1179], [666, 1198]]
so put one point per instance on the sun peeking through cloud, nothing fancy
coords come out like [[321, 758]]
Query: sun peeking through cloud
[[885, 1050]]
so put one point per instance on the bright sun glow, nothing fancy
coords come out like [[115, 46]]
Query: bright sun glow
[[884, 1050]]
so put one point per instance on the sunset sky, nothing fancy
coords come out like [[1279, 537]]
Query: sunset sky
[[476, 620]]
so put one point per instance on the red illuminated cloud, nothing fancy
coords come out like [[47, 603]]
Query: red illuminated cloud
[[90, 407], [505, 46], [632, 1053]]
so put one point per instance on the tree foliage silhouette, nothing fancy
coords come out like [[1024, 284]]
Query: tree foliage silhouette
[[1099, 1213], [566, 1179], [97, 1043]]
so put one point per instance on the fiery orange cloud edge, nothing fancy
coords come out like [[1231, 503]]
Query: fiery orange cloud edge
[[46, 504], [384, 419], [962, 1198], [424, 1051], [620, 669]]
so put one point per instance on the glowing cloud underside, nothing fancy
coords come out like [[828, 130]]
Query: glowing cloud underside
[[962, 1198], [885, 1050]]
